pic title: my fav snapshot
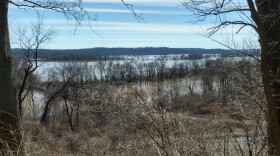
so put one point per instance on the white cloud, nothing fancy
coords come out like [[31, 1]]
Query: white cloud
[[159, 2], [140, 27], [142, 2], [108, 26], [165, 12]]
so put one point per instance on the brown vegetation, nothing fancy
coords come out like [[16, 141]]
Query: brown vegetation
[[157, 118]]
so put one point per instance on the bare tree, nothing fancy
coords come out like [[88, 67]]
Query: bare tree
[[108, 75], [73, 93], [190, 82], [8, 102], [208, 76], [130, 71], [263, 17], [66, 73], [140, 70], [161, 67], [31, 40], [101, 66]]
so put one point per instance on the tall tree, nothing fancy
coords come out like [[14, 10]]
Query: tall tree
[[267, 20], [9, 126], [10, 138], [263, 17], [31, 40]]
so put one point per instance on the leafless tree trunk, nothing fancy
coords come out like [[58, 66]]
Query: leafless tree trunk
[[8, 102], [9, 124], [264, 19]]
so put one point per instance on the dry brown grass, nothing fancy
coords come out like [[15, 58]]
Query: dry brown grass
[[149, 122], [213, 133]]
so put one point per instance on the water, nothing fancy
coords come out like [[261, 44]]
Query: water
[[45, 68]]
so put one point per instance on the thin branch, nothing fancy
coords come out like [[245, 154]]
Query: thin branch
[[130, 7], [72, 10], [215, 29], [233, 49]]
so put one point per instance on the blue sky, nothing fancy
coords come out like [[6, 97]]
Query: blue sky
[[166, 24]]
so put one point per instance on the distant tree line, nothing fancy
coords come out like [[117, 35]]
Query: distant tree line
[[116, 53]]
